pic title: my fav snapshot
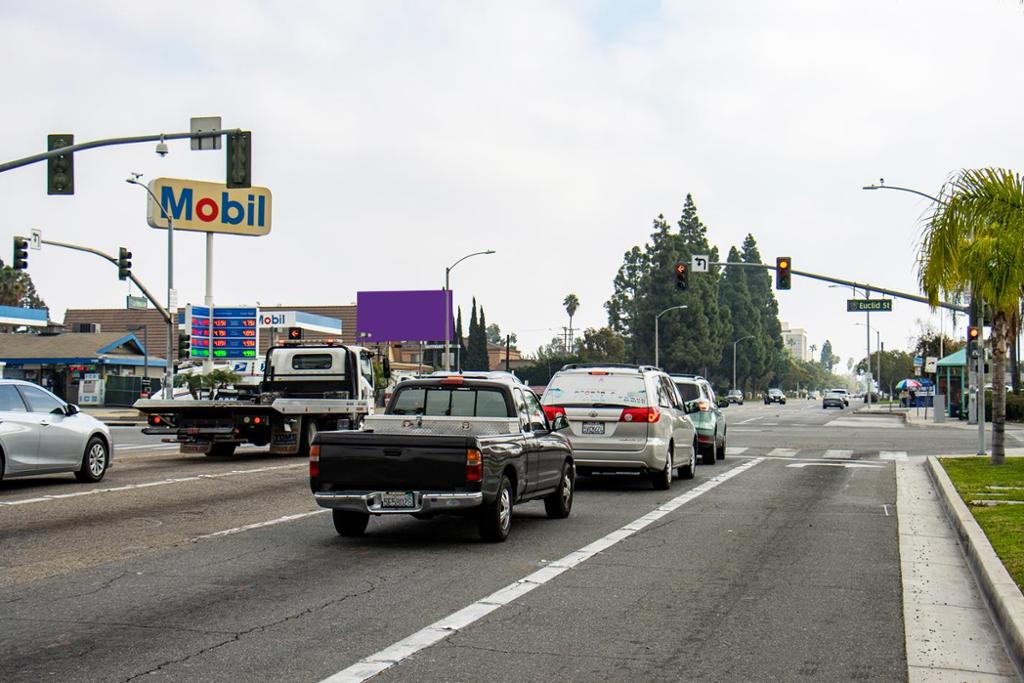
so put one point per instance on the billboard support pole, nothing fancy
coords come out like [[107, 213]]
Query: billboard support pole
[[208, 300]]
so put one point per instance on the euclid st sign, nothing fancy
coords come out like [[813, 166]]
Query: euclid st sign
[[209, 207], [870, 305]]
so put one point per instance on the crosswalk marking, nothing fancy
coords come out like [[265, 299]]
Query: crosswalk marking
[[838, 453], [892, 455], [782, 452], [735, 450]]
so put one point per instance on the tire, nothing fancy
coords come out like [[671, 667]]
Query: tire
[[495, 519], [221, 450], [95, 461], [350, 523], [690, 470], [559, 504], [309, 431], [662, 479], [721, 451], [710, 455]]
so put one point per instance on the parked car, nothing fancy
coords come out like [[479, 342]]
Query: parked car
[[833, 399], [775, 396], [703, 407], [41, 434], [446, 445], [844, 394], [624, 418], [735, 396]]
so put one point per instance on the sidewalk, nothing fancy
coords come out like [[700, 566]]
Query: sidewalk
[[916, 417], [115, 416]]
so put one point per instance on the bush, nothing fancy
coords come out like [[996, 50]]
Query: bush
[[1014, 407]]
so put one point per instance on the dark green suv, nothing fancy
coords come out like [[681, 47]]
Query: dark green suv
[[705, 412]]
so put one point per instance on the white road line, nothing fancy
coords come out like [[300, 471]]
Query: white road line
[[838, 453], [736, 450], [260, 525], [847, 465], [439, 630], [161, 482], [892, 455], [743, 422], [155, 447], [782, 452]]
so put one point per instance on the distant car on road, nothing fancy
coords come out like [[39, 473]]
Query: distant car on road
[[833, 399], [702, 406], [735, 396], [844, 394], [41, 434], [624, 418], [775, 396]]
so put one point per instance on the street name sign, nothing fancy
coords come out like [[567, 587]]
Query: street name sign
[[137, 303], [868, 305], [209, 207]]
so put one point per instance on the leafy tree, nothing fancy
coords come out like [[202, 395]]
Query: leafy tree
[[931, 343], [896, 365], [602, 346], [624, 306], [972, 243]]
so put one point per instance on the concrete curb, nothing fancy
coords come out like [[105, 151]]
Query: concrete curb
[[996, 584], [896, 415]]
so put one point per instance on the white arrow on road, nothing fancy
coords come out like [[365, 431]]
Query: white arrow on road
[[836, 464]]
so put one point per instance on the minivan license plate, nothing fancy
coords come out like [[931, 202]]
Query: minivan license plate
[[593, 427], [403, 499]]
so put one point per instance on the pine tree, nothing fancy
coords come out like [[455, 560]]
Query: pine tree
[[460, 342], [484, 359], [768, 345], [476, 351], [734, 297]]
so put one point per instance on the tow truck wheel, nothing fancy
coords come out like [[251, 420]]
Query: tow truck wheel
[[221, 450], [350, 523]]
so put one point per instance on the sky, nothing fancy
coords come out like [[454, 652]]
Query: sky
[[398, 136]]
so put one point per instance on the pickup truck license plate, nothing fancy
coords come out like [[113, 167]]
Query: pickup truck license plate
[[401, 499], [593, 427]]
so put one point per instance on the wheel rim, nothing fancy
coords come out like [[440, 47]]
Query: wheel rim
[[505, 508], [311, 432], [566, 490], [97, 459], [668, 468]]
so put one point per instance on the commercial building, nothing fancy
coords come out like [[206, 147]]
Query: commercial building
[[795, 339]]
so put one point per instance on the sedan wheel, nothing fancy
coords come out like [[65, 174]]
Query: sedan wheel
[[94, 461]]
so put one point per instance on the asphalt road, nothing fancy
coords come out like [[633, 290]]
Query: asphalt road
[[779, 563]]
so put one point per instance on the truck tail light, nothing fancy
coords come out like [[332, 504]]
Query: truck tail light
[[553, 411], [474, 465], [647, 414], [314, 460]]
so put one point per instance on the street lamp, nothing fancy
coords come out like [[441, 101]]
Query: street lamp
[[670, 308], [447, 304], [172, 308], [878, 350], [749, 336], [882, 186]]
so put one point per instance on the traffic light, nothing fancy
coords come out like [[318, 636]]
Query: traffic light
[[20, 253], [124, 264], [60, 170], [239, 158], [973, 334], [295, 333], [783, 272], [184, 344], [682, 276]]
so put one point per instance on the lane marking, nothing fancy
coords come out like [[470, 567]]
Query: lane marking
[[376, 663], [743, 422], [260, 525], [782, 452], [885, 508], [892, 455], [736, 450], [847, 465], [839, 453], [118, 449], [870, 422], [148, 484]]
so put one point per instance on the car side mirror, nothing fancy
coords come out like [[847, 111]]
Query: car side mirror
[[691, 407], [723, 403], [386, 368], [71, 409], [559, 423]]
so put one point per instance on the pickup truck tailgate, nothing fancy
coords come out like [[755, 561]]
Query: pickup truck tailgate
[[362, 461]]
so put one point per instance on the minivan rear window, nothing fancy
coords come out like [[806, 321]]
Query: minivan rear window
[[593, 390], [450, 402]]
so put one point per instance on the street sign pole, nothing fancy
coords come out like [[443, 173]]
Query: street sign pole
[[208, 300]]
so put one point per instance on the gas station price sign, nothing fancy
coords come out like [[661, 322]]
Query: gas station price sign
[[229, 334]]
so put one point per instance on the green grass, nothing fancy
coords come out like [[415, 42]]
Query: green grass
[[1003, 524]]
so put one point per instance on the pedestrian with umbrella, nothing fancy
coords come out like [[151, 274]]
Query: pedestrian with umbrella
[[908, 390]]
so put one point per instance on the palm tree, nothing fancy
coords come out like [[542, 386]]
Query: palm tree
[[974, 242], [572, 304]]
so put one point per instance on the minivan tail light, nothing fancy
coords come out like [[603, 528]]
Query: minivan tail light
[[474, 465], [647, 414], [314, 460], [553, 411]]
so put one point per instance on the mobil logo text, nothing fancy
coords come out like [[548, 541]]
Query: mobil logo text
[[208, 207]]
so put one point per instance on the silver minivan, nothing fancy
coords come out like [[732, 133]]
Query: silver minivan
[[624, 418]]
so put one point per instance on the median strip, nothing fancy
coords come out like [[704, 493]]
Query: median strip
[[376, 663]]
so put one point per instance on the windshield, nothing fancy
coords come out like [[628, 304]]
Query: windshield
[[688, 390], [596, 390], [450, 402]]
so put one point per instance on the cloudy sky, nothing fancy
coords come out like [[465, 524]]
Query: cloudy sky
[[397, 136]]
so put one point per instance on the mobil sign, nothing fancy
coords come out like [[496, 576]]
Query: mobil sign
[[208, 207]]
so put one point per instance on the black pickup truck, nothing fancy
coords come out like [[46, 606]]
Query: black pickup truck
[[448, 445]]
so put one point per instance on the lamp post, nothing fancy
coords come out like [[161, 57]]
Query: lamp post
[[878, 350], [447, 304], [145, 353], [172, 308], [671, 308], [749, 336]]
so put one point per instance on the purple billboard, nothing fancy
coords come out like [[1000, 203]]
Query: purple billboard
[[402, 316]]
